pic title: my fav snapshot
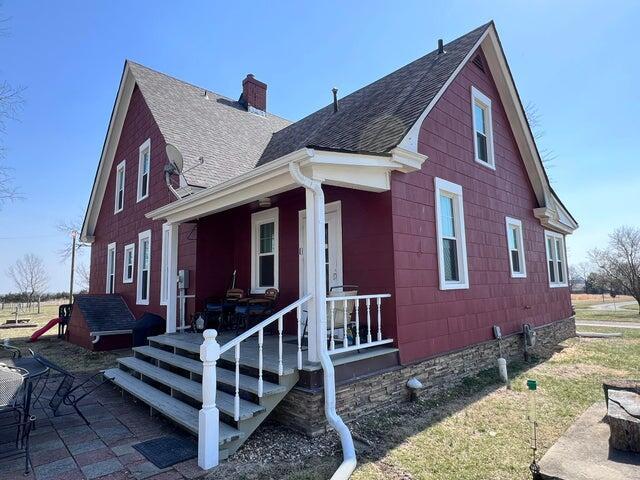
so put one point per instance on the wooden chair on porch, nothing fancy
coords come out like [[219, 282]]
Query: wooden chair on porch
[[250, 311], [219, 313], [342, 311]]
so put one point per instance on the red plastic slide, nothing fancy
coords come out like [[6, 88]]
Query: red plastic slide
[[36, 335]]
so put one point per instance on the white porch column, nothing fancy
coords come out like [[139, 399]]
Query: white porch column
[[310, 255], [170, 254], [209, 415]]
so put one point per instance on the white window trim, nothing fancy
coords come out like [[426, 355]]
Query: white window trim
[[556, 236], [131, 247], [146, 145], [444, 186], [164, 264], [121, 168], [111, 265], [257, 219], [479, 98], [514, 222], [329, 209], [141, 236]]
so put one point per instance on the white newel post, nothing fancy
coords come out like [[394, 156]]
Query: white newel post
[[310, 255], [208, 420], [172, 273]]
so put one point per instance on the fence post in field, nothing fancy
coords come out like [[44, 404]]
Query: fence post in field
[[209, 416]]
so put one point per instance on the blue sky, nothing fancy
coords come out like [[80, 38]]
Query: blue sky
[[575, 60]]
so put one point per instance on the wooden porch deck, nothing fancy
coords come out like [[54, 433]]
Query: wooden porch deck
[[191, 342]]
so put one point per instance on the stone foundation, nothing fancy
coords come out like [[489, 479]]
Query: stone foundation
[[303, 409]]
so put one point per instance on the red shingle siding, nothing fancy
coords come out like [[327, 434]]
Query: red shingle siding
[[367, 249], [431, 321], [124, 227]]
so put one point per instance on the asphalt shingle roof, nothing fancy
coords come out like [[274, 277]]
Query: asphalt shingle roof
[[373, 119], [104, 313], [229, 137]]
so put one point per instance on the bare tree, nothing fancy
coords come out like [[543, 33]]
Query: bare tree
[[29, 276], [10, 103], [620, 261], [534, 118], [68, 227], [83, 276]]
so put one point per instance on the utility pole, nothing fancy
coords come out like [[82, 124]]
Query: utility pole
[[73, 264]]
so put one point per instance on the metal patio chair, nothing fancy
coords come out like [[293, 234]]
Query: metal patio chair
[[67, 393], [219, 313], [10, 350], [64, 314], [15, 405]]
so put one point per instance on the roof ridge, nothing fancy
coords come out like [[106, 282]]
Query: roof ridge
[[193, 85], [482, 28]]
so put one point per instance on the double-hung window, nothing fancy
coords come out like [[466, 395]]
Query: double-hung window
[[129, 258], [264, 250], [515, 243], [452, 248], [111, 268], [119, 187], [556, 262], [144, 267], [144, 166], [482, 128]]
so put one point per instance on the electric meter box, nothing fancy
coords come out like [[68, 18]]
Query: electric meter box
[[183, 279]]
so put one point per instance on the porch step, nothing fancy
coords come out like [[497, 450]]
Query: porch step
[[224, 376], [178, 411], [249, 357], [174, 341], [224, 401]]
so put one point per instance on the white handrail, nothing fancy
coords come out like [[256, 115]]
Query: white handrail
[[359, 297], [253, 330], [373, 326]]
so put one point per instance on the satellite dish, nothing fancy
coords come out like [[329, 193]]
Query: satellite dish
[[175, 157]]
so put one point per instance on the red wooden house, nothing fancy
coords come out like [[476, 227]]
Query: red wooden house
[[437, 211]]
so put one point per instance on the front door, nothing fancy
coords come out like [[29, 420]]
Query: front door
[[332, 248]]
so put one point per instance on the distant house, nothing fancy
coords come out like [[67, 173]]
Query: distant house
[[438, 217]]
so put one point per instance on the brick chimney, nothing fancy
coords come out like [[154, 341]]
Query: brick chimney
[[254, 93]]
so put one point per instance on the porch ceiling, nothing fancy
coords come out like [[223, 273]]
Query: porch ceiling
[[357, 171]]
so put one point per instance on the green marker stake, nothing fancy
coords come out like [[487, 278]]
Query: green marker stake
[[532, 387]]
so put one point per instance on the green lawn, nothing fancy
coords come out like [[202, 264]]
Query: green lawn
[[622, 314], [479, 430]]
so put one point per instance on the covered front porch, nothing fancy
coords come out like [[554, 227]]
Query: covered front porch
[[315, 227]]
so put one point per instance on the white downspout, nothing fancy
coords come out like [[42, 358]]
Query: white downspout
[[348, 450]]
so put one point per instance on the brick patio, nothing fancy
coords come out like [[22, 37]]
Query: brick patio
[[64, 447]]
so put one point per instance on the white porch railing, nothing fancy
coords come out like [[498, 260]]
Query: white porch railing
[[340, 318], [210, 351]]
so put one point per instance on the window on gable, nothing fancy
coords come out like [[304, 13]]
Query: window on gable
[[129, 259], [120, 187], [452, 249], [144, 267], [264, 250], [515, 242], [111, 268], [556, 262], [482, 128], [144, 166]]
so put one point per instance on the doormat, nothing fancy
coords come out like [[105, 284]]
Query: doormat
[[166, 451]]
